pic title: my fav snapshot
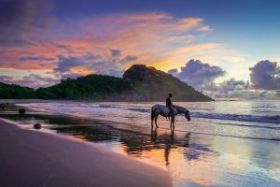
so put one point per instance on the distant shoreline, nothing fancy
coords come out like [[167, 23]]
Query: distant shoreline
[[91, 100]]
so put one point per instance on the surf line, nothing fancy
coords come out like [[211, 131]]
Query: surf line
[[221, 135]]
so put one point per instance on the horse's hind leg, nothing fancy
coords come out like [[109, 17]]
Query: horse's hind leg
[[152, 118], [156, 117]]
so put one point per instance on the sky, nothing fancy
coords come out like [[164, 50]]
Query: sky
[[226, 49]]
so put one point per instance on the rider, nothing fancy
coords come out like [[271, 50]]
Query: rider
[[169, 104]]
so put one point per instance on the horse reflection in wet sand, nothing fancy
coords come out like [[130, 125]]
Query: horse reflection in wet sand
[[165, 112], [168, 141]]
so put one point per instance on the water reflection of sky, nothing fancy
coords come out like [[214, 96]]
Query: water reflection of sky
[[191, 158], [132, 113]]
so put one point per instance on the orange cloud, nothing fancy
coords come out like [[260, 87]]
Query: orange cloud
[[80, 71]]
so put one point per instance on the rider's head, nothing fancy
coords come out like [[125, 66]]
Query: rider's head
[[170, 94]]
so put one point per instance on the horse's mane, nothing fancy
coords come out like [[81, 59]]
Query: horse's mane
[[179, 108]]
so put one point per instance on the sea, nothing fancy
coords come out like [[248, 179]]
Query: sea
[[226, 143]]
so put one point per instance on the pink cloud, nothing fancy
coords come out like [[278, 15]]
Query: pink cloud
[[144, 36], [32, 80]]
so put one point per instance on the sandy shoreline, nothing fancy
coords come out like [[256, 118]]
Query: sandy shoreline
[[30, 158]]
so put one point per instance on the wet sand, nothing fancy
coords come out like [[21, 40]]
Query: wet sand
[[33, 158]]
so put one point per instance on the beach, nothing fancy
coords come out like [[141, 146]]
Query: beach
[[139, 93], [220, 146], [31, 158]]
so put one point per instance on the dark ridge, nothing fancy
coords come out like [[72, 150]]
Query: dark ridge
[[139, 83]]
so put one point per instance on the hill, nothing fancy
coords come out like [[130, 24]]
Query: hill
[[139, 83], [154, 85], [11, 91]]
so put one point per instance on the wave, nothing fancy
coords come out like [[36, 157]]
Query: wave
[[238, 117], [272, 119], [220, 116]]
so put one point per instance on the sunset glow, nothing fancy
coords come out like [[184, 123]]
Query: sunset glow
[[50, 38]]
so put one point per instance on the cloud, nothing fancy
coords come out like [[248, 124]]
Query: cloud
[[232, 85], [202, 77], [113, 42], [74, 66], [197, 73], [66, 63], [265, 80], [32, 80], [36, 81], [128, 59], [35, 58], [118, 24], [22, 22], [212, 53], [129, 33], [115, 52], [230, 88], [70, 67], [92, 35], [41, 57], [265, 75], [7, 79]]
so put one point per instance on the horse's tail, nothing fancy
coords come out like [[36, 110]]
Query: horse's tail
[[152, 114]]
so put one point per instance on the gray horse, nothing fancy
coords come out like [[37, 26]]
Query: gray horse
[[164, 111]]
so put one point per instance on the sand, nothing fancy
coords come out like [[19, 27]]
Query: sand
[[34, 158]]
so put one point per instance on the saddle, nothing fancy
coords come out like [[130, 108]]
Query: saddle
[[169, 113]]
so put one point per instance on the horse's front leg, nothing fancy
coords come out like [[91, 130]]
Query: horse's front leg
[[172, 125], [171, 122]]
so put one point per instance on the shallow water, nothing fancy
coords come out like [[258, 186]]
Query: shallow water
[[204, 152]]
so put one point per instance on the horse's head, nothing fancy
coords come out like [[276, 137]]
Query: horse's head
[[187, 115]]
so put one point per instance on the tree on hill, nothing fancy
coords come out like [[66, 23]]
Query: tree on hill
[[8, 91]]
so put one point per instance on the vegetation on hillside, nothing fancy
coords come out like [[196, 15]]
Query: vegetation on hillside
[[8, 91], [88, 87], [139, 83]]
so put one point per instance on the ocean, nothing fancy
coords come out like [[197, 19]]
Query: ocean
[[227, 143]]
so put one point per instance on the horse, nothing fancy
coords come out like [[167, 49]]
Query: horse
[[165, 112]]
